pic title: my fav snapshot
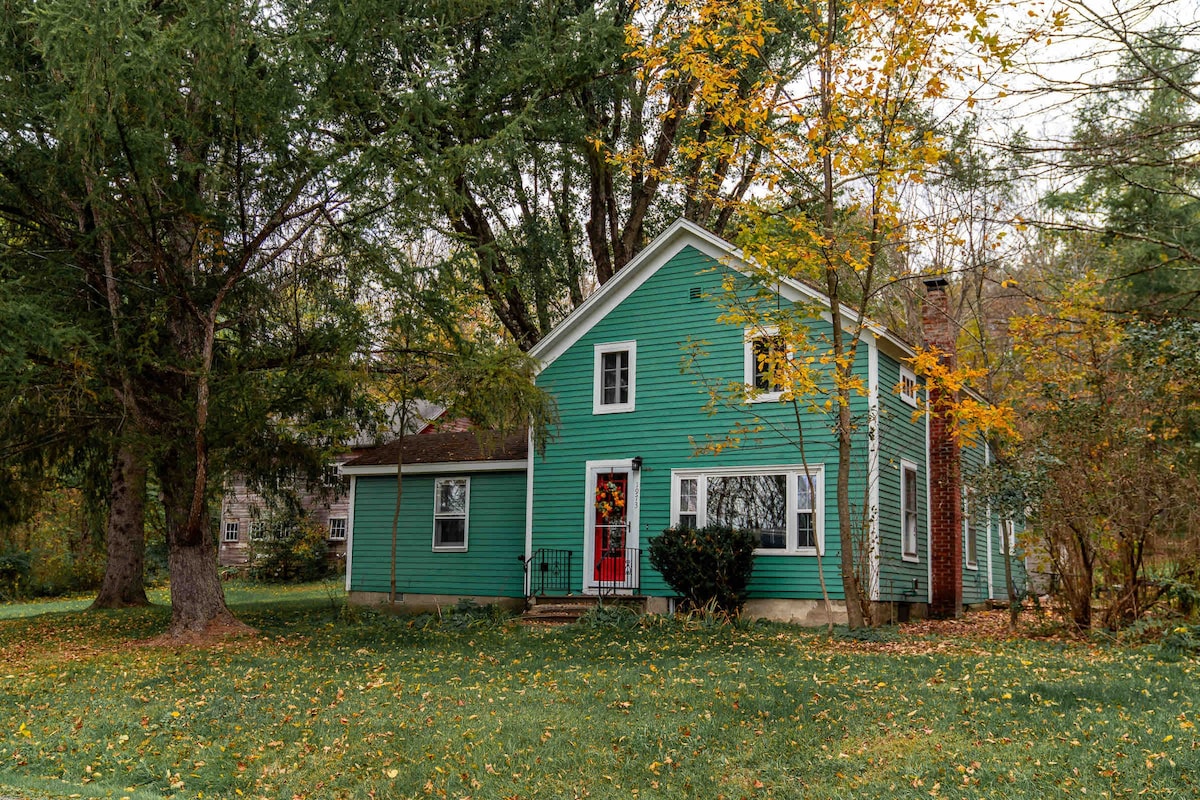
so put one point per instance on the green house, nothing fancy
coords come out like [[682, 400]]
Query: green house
[[628, 461]]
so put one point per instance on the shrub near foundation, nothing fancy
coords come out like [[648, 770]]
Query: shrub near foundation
[[708, 566]]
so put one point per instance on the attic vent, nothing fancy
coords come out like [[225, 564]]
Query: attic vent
[[694, 293]]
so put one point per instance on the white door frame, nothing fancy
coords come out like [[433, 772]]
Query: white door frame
[[633, 503]]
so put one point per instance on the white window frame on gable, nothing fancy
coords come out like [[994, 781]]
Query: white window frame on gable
[[441, 514], [232, 531], [690, 494], [912, 554], [600, 373], [909, 387], [750, 365], [337, 533]]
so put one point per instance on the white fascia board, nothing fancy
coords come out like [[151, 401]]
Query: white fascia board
[[350, 535], [679, 235], [440, 468]]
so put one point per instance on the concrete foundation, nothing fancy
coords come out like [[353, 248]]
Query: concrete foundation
[[408, 603], [893, 613], [809, 613]]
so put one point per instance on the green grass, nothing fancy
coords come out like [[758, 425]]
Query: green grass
[[324, 704]]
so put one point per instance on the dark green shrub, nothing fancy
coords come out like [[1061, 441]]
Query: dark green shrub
[[709, 566], [294, 549]]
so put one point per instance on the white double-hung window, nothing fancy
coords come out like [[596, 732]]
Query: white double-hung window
[[451, 501], [765, 358], [782, 506], [910, 511], [615, 377]]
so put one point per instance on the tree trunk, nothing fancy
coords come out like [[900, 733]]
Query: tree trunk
[[124, 574], [850, 583], [1014, 605], [197, 598]]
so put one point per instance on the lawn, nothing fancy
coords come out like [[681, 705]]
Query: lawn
[[328, 704]]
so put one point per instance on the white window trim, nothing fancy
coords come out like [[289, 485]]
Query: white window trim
[[231, 526], [911, 399], [967, 529], [793, 473], [598, 353], [345, 525], [254, 531], [457, 548], [914, 557], [750, 367]]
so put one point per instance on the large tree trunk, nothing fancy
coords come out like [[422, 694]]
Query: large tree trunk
[[197, 598], [124, 572]]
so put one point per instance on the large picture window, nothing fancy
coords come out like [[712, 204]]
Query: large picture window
[[615, 377], [910, 510], [451, 499], [781, 506]]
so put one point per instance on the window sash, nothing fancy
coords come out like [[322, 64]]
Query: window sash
[[614, 378], [910, 498], [232, 531], [337, 528]]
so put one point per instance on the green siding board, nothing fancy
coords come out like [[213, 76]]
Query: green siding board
[[975, 580], [900, 437], [491, 566], [661, 317]]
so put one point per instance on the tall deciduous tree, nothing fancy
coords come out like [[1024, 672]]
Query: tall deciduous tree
[[548, 139]]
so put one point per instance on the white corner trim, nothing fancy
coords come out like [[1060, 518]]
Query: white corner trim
[[873, 464], [529, 516], [350, 532], [928, 520], [987, 461], [439, 468]]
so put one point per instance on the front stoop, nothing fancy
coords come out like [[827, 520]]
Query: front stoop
[[565, 609]]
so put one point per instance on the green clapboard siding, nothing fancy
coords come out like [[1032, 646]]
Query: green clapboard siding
[[975, 578], [491, 566], [661, 316], [900, 437]]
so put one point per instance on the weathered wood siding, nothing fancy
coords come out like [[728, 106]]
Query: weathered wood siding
[[241, 504]]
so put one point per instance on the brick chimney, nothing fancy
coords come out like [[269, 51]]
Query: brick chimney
[[945, 471]]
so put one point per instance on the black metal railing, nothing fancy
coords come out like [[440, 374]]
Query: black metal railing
[[618, 568], [549, 571]]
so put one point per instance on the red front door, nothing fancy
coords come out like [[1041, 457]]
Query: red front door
[[612, 525]]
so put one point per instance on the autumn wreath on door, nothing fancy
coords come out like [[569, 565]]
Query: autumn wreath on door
[[610, 499]]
